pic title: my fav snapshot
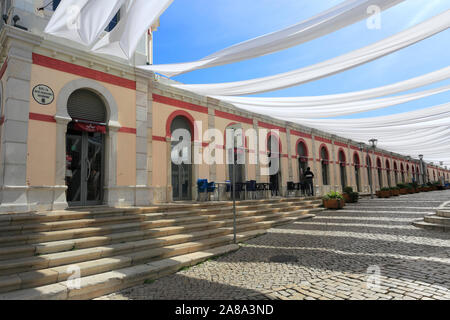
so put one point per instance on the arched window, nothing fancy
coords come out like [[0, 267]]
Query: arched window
[[238, 151], [302, 154], [356, 165], [407, 172], [325, 164], [380, 173], [342, 168]]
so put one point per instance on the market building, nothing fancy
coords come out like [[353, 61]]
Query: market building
[[79, 129]]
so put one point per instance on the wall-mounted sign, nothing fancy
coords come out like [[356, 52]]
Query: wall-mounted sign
[[43, 94]]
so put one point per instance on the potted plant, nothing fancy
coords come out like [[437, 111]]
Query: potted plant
[[384, 193], [409, 188], [395, 191], [415, 186], [333, 200], [403, 189], [350, 196]]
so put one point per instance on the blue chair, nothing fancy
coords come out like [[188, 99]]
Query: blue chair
[[211, 188], [202, 185]]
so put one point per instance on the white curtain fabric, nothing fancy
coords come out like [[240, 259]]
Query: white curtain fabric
[[337, 17], [425, 131], [341, 109], [344, 62], [82, 21], [311, 101], [123, 40]]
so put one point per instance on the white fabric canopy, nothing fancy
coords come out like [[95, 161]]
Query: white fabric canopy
[[344, 62], [311, 101], [337, 17], [341, 109], [123, 40], [82, 21]]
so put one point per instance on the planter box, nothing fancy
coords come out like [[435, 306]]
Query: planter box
[[395, 193], [383, 194], [403, 191], [334, 204]]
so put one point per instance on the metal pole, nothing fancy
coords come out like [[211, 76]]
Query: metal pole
[[234, 195], [371, 175]]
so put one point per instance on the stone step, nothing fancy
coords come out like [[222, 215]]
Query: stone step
[[46, 236], [443, 213], [108, 282], [435, 219], [431, 226], [67, 257], [58, 216]]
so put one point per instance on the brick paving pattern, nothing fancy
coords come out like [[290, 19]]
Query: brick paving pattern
[[369, 250]]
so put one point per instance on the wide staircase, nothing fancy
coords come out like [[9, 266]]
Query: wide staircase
[[439, 221], [86, 253]]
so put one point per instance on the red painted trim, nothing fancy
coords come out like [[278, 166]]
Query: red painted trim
[[322, 140], [355, 148], [341, 150], [179, 104], [301, 134], [233, 117], [41, 117], [3, 69], [2, 120], [340, 144], [127, 130], [280, 145], [82, 71], [323, 145], [270, 126], [190, 119], [157, 138], [300, 140]]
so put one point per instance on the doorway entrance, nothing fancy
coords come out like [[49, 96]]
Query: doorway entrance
[[85, 149], [182, 170], [84, 173]]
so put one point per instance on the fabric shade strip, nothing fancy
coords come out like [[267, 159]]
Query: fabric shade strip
[[344, 108], [123, 40], [89, 127], [82, 21], [312, 101], [344, 62], [331, 20]]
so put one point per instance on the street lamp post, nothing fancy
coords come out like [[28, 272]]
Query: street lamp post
[[373, 143]]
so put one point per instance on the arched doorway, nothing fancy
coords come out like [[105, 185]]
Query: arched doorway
[[402, 169], [302, 154], [181, 158], [369, 170], [396, 173], [342, 168], [380, 173], [388, 172], [85, 148], [324, 161], [274, 154], [356, 164], [235, 131]]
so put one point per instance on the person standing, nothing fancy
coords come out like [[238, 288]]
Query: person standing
[[309, 176]]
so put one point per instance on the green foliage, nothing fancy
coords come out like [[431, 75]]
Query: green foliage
[[401, 185], [395, 188], [409, 186], [333, 195], [348, 190], [385, 189]]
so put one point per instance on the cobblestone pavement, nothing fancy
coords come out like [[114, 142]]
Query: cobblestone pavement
[[336, 255]]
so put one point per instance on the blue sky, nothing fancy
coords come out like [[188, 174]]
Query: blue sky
[[192, 29]]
